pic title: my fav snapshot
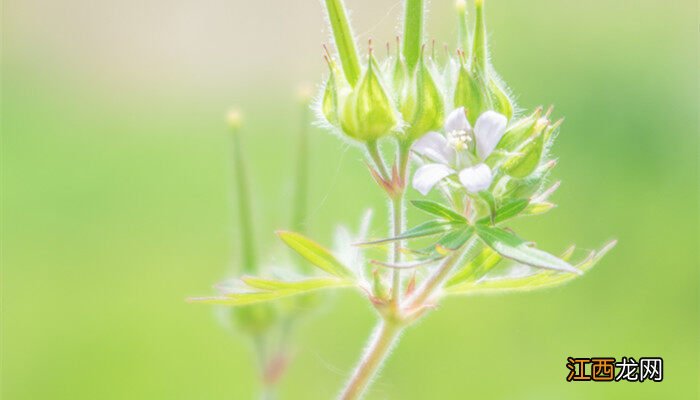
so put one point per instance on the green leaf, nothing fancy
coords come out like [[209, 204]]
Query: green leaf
[[511, 246], [455, 239], [490, 201], [315, 254], [508, 211], [538, 280], [271, 289], [242, 299], [301, 285], [428, 228], [438, 210], [476, 267]]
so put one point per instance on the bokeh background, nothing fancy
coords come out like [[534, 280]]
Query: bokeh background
[[117, 201]]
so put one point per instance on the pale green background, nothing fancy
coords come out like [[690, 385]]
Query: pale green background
[[117, 204]]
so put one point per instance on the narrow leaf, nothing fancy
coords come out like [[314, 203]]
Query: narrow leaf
[[511, 246], [476, 267], [540, 279], [428, 228], [453, 240], [507, 211], [438, 210], [301, 285], [315, 253]]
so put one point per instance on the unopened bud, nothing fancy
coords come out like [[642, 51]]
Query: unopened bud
[[368, 113], [426, 109]]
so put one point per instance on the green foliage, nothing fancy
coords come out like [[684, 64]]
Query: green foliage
[[315, 254], [537, 279], [511, 246]]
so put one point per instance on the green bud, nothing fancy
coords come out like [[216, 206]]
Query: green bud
[[526, 127], [501, 100], [330, 102], [399, 75], [479, 48], [487, 82], [426, 111], [515, 188], [368, 113], [524, 164], [470, 93]]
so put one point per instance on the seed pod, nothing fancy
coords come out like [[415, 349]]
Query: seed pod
[[426, 109], [470, 93], [368, 113], [523, 164], [330, 104], [520, 131], [500, 98]]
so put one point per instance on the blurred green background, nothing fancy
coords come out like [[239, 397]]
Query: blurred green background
[[117, 202]]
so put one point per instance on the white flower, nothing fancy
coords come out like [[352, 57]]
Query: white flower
[[461, 149]]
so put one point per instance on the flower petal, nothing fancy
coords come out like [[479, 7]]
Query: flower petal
[[457, 121], [477, 178], [434, 146], [428, 175], [489, 129]]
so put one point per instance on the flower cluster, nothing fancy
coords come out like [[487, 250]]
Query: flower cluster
[[455, 118]]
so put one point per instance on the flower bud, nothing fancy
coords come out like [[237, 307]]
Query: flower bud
[[501, 101], [520, 131], [524, 164], [470, 93], [330, 104], [424, 109], [368, 113]]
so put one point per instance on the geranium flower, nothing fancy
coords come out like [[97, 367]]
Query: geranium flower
[[460, 151]]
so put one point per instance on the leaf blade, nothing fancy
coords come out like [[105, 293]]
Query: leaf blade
[[510, 246], [438, 210], [315, 253]]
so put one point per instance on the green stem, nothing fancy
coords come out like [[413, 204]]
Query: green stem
[[344, 40], [479, 48], [434, 282], [398, 219], [413, 32], [384, 338], [397, 208], [248, 255], [375, 155]]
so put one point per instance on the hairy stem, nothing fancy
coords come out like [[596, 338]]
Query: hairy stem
[[397, 209], [413, 32], [373, 150], [434, 282], [383, 339]]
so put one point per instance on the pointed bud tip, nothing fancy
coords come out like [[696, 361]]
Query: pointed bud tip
[[461, 6]]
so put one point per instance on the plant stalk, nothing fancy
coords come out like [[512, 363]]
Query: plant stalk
[[248, 255], [413, 32], [385, 336], [434, 282]]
